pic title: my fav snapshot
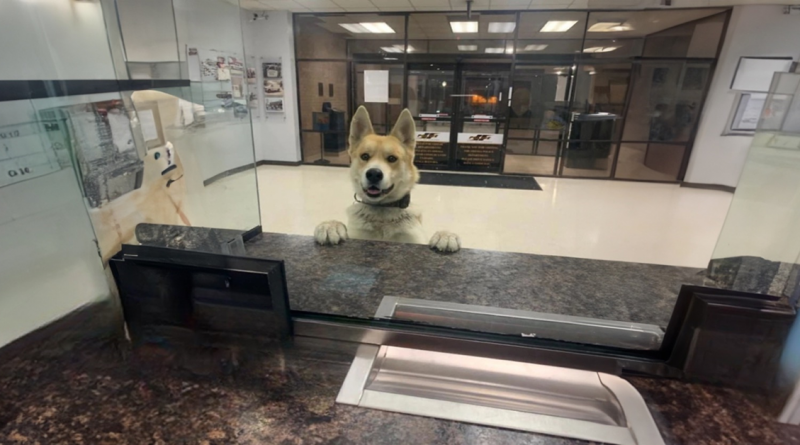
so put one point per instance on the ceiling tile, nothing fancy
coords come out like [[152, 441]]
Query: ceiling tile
[[391, 3], [509, 4], [354, 3], [372, 9], [283, 5], [431, 5], [316, 4]]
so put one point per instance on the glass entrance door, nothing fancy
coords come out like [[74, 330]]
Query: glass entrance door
[[481, 117], [461, 112]]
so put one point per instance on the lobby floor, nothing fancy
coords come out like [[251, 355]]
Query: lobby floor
[[596, 219]]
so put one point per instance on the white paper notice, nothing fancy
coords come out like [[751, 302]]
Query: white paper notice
[[752, 112], [376, 86], [148, 124]]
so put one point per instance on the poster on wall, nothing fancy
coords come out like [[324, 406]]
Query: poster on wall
[[272, 72], [748, 111], [275, 105], [432, 150], [251, 78], [479, 152], [193, 62], [236, 66], [376, 86]]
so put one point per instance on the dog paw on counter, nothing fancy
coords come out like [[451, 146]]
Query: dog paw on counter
[[445, 242], [330, 233]]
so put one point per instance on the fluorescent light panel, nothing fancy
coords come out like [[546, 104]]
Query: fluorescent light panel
[[464, 27], [535, 47], [467, 47], [558, 25], [600, 49], [396, 48], [494, 50], [378, 27], [610, 27], [368, 27], [501, 27]]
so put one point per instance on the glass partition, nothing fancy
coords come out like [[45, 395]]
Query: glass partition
[[758, 248], [492, 99]]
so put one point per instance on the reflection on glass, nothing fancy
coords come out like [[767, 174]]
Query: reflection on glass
[[665, 101], [651, 161]]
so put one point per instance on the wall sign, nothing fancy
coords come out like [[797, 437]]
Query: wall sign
[[480, 152], [748, 111], [433, 150], [376, 86], [23, 154]]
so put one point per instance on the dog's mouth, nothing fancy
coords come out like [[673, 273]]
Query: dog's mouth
[[374, 191]]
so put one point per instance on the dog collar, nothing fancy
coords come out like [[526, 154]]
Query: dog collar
[[402, 203]]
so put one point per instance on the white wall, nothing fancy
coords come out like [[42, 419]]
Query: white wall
[[276, 136], [55, 39], [755, 30]]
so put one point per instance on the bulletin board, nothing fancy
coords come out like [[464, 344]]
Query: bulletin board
[[755, 73]]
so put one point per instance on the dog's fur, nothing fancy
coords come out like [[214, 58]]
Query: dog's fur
[[393, 155], [158, 200]]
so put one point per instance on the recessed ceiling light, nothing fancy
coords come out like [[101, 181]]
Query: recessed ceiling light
[[558, 25], [494, 50], [610, 27], [467, 47], [464, 27], [501, 27], [535, 47], [378, 27], [600, 49], [354, 28]]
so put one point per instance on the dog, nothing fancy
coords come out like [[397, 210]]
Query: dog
[[383, 174], [160, 199]]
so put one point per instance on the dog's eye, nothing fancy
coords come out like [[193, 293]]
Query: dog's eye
[[157, 155], [365, 157], [392, 159]]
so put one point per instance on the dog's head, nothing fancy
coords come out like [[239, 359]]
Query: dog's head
[[382, 167], [162, 165]]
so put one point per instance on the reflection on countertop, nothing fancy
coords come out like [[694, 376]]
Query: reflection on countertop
[[351, 279], [90, 388]]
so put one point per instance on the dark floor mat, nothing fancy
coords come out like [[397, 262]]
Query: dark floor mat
[[472, 180]]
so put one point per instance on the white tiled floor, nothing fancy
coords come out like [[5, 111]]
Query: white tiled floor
[[609, 220]]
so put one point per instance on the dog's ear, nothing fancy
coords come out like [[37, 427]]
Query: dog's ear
[[360, 127], [405, 130]]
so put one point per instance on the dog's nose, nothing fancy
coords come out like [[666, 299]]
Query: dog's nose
[[374, 175]]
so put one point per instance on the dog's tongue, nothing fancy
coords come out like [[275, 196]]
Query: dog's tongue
[[374, 191]]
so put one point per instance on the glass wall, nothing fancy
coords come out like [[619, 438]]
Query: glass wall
[[572, 79], [91, 160]]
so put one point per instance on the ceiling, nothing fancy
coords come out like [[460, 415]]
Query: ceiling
[[477, 5], [436, 26]]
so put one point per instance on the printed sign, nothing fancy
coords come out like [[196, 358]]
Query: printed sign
[[480, 152], [23, 154], [432, 150]]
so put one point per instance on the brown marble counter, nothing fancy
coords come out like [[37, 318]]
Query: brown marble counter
[[92, 389]]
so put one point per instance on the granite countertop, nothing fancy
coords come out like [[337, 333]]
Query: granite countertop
[[351, 279], [96, 389]]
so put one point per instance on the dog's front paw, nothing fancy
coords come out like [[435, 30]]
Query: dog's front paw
[[330, 233], [445, 242]]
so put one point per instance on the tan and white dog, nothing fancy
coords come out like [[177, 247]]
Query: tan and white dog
[[382, 172], [159, 200]]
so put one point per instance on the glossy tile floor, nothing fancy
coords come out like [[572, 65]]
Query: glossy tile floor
[[597, 219]]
